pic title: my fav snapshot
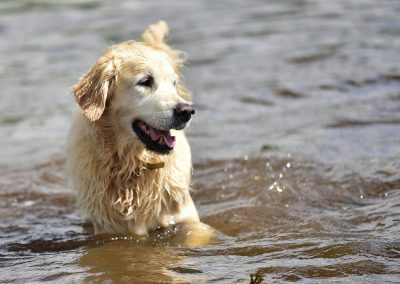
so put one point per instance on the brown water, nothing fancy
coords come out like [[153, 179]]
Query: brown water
[[296, 141]]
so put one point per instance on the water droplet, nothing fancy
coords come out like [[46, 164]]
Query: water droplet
[[246, 158], [230, 176], [287, 205], [256, 177], [288, 165], [28, 203], [361, 196], [280, 175], [386, 194], [223, 186]]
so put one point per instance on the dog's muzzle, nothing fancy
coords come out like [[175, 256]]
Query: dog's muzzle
[[161, 140]]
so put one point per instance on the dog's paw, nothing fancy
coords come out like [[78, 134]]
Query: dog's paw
[[197, 234]]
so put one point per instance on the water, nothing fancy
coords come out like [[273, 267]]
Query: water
[[296, 141]]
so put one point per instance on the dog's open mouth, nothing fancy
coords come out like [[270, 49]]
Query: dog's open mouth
[[157, 140]]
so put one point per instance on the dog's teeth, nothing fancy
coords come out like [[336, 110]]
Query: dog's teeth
[[161, 141], [142, 126]]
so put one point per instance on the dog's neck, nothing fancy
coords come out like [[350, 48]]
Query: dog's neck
[[142, 159]]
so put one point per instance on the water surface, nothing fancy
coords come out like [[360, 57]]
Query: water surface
[[296, 141]]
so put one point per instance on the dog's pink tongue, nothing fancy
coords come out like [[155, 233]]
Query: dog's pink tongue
[[155, 134], [170, 141]]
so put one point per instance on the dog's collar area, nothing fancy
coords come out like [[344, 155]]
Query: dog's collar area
[[149, 167], [154, 166]]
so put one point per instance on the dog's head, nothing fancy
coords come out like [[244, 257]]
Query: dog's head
[[137, 87]]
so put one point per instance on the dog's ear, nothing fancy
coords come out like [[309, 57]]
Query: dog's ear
[[154, 36], [92, 90]]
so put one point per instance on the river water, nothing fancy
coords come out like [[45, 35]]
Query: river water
[[296, 141]]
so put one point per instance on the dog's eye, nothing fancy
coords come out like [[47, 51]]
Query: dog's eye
[[146, 82]]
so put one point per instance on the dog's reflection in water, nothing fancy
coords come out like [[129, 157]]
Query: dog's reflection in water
[[156, 258]]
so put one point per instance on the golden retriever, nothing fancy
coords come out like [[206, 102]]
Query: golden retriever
[[128, 156]]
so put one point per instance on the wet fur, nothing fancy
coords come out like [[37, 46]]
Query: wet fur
[[107, 163]]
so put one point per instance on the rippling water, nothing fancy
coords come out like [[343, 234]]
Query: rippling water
[[296, 141]]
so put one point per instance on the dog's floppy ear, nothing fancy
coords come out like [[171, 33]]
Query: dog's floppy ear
[[154, 36], [92, 90]]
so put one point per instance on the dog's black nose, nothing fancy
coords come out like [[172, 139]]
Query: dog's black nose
[[184, 112]]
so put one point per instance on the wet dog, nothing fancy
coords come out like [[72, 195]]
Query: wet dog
[[128, 156]]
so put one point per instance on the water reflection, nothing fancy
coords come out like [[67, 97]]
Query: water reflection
[[122, 261], [159, 257]]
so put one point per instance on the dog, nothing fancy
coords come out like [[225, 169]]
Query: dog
[[128, 157]]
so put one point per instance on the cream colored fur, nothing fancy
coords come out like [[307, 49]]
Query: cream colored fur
[[107, 162]]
